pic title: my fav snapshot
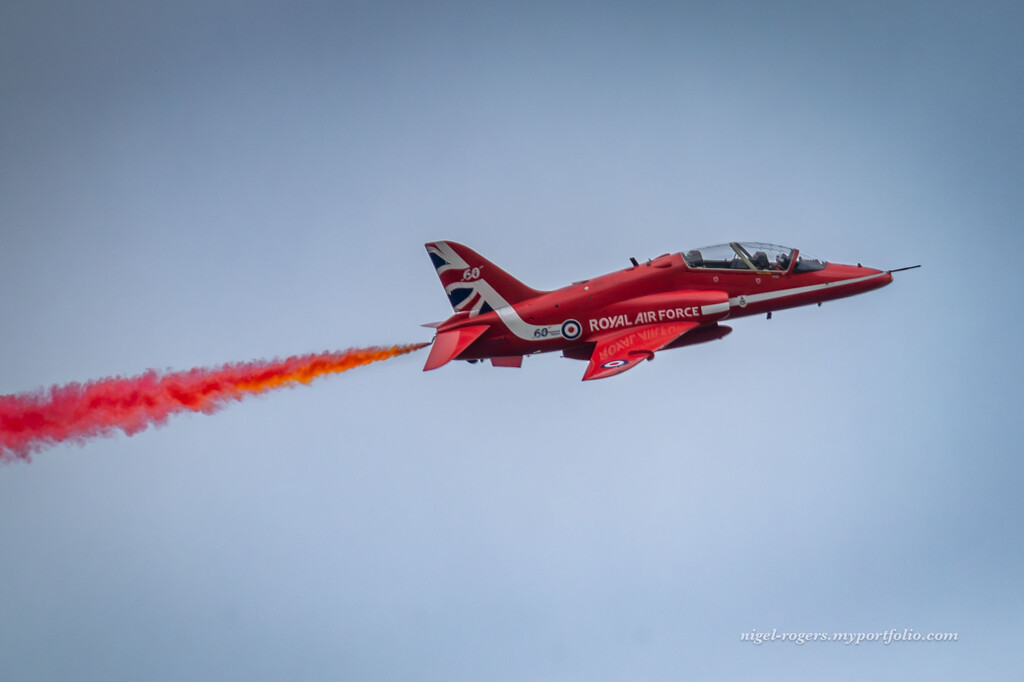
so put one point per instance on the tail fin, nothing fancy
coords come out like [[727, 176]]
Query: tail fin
[[472, 282]]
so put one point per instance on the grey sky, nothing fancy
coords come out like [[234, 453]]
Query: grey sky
[[184, 184]]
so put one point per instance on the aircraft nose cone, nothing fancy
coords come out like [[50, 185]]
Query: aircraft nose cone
[[880, 278], [858, 279], [883, 277], [859, 272]]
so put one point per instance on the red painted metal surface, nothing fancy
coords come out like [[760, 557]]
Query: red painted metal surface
[[667, 302]]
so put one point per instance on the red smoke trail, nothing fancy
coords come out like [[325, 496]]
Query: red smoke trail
[[30, 421]]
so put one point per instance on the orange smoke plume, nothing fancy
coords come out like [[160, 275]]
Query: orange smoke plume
[[76, 412]]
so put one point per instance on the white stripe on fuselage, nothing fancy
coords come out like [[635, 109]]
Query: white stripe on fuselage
[[782, 293], [714, 309], [508, 314], [525, 330], [532, 332]]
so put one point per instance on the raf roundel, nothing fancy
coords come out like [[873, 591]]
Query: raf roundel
[[571, 329], [613, 364]]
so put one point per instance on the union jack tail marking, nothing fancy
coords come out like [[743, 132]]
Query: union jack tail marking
[[473, 283]]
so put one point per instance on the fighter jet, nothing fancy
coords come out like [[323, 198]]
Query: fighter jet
[[615, 321]]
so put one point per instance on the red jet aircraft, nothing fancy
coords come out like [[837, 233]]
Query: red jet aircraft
[[616, 320]]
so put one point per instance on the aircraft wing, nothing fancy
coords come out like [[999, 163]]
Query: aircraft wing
[[617, 351]]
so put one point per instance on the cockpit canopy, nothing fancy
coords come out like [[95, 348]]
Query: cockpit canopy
[[750, 256]]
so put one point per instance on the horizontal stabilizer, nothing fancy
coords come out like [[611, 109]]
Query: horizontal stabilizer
[[448, 344]]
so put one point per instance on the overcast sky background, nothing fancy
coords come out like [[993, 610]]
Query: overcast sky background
[[192, 183]]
